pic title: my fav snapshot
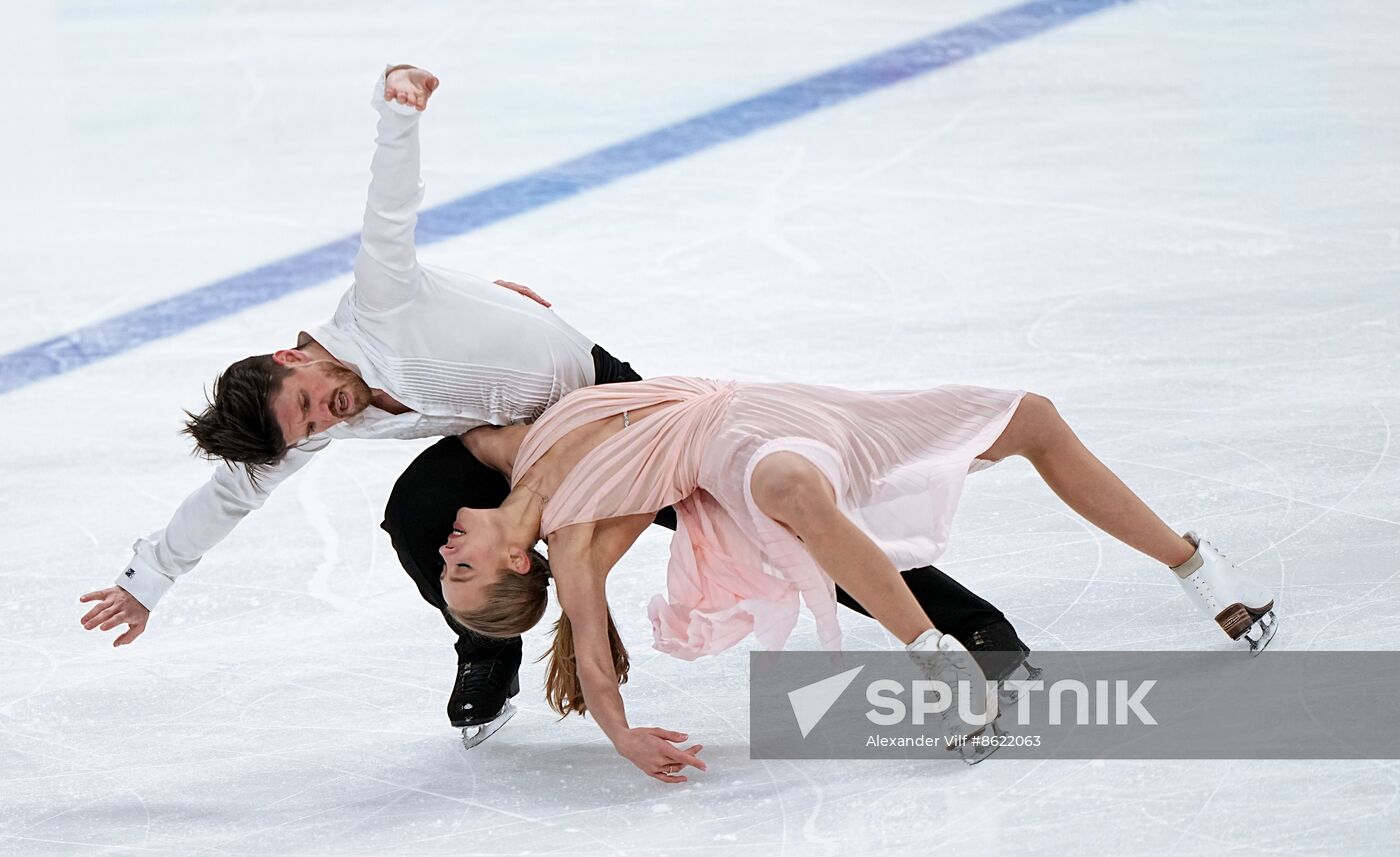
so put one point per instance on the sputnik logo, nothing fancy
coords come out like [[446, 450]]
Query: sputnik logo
[[811, 702]]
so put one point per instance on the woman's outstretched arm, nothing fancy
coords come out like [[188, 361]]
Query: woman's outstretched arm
[[581, 557]]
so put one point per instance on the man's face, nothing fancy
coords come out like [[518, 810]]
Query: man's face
[[315, 396]]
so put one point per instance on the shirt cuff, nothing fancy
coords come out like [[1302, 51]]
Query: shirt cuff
[[144, 583]]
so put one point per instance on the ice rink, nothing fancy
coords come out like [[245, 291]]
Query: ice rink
[[1178, 219]]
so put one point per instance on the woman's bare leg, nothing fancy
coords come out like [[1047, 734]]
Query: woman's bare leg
[[1038, 433], [792, 491]]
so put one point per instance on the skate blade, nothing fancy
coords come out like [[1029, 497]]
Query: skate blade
[[474, 735], [972, 752], [1261, 632]]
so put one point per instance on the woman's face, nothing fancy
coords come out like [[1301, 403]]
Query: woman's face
[[474, 558]]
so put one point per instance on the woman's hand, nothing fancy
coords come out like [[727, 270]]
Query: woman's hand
[[524, 290], [655, 752]]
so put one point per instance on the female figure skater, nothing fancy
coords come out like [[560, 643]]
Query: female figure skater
[[780, 489]]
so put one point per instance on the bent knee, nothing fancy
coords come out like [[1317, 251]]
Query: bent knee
[[1034, 426], [790, 489], [1041, 425], [1038, 409]]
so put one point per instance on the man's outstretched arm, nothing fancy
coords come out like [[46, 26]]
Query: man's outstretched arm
[[203, 520], [387, 263], [388, 259]]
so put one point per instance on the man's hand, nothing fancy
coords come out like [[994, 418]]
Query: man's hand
[[116, 606], [409, 85], [655, 752], [524, 290]]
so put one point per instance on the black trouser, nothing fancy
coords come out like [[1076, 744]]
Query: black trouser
[[446, 477]]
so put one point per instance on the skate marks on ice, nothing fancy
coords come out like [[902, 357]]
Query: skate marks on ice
[[1012, 235]]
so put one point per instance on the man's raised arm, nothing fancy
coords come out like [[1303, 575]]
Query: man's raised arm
[[386, 265], [203, 520]]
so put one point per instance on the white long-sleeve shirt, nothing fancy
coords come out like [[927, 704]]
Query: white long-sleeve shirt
[[456, 350]]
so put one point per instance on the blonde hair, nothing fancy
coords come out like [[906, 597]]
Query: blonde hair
[[514, 605]]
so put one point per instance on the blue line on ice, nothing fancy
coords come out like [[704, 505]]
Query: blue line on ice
[[595, 169]]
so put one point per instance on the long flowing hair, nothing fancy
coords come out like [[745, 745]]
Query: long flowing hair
[[514, 605]]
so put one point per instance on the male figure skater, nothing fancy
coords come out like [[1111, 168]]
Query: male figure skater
[[393, 363]]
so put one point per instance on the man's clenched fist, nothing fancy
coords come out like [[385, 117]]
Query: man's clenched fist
[[408, 85], [116, 606]]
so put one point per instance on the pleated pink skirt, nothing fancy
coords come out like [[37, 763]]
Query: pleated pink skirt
[[897, 462]]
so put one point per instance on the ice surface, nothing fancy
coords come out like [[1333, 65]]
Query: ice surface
[[1178, 219]]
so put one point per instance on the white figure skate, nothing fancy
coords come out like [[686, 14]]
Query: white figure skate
[[1242, 606], [942, 658]]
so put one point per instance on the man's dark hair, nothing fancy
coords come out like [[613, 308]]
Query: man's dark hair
[[238, 425]]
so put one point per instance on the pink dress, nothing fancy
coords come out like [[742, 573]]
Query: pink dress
[[897, 462]]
